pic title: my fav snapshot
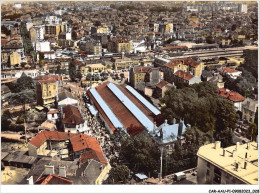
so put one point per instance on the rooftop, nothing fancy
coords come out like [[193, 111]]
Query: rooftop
[[188, 62], [231, 95], [183, 75], [71, 115], [119, 107], [234, 154]]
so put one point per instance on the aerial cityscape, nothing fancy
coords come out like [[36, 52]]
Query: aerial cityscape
[[136, 93]]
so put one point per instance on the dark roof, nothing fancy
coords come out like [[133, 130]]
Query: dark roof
[[19, 157], [38, 169], [71, 115], [64, 94], [5, 89]]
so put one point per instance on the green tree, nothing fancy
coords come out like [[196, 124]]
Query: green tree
[[251, 61], [72, 71], [252, 131], [210, 40], [78, 75], [200, 106], [5, 120], [24, 83], [118, 175], [142, 154], [26, 96]]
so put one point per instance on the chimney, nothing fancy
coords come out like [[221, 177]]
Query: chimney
[[174, 121], [248, 145], [180, 129], [245, 164], [246, 155], [234, 153], [237, 145], [224, 152], [30, 180], [217, 145], [165, 121], [62, 171], [49, 169], [236, 166]]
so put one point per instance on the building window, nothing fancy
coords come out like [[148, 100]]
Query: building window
[[208, 164], [207, 172]]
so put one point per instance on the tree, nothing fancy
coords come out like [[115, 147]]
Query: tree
[[58, 70], [118, 175], [210, 40], [26, 96], [141, 153], [88, 77], [5, 120], [252, 131], [74, 35], [213, 113], [78, 75], [24, 83], [72, 71]]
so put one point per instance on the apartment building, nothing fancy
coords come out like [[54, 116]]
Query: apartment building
[[237, 164]]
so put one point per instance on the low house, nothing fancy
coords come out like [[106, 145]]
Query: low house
[[73, 120], [53, 115], [234, 97], [66, 98], [161, 88], [231, 72], [184, 77], [249, 107], [166, 134], [54, 171], [48, 125]]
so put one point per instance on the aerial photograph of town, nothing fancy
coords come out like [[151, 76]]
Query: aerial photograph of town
[[129, 93]]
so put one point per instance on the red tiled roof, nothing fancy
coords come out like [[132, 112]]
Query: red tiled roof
[[183, 75], [91, 154], [51, 179], [162, 84], [78, 142], [72, 115], [83, 141], [41, 137], [43, 79], [229, 70], [189, 62], [174, 47], [142, 69], [119, 109], [53, 111], [231, 95], [3, 41]]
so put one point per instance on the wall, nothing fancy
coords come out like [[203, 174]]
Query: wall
[[103, 174], [32, 150]]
